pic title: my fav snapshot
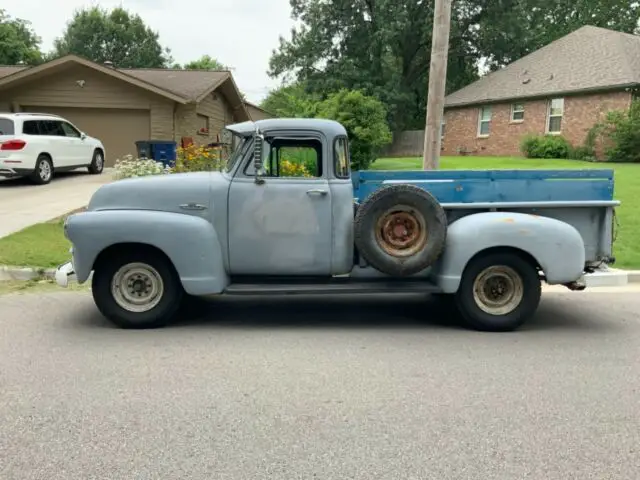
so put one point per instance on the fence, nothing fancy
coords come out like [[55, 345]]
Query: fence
[[409, 143]]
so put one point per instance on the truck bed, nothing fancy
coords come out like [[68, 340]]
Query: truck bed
[[582, 198]]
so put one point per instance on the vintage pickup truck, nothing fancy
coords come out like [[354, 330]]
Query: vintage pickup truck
[[287, 216]]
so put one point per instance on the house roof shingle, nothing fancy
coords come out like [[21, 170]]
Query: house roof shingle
[[590, 58], [189, 84]]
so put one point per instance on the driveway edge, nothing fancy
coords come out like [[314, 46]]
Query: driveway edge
[[24, 274]]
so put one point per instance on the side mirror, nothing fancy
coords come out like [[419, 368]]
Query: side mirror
[[83, 135], [258, 140]]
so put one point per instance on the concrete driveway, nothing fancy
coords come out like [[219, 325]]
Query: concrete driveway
[[24, 204], [320, 388]]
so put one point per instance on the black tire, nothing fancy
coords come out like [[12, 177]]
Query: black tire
[[97, 163], [420, 209], [43, 173], [505, 265], [161, 314]]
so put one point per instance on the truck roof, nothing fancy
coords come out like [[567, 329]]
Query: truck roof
[[329, 127]]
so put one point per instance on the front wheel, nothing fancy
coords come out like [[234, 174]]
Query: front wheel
[[97, 163], [137, 289], [498, 292]]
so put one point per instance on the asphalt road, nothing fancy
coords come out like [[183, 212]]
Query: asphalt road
[[383, 388]]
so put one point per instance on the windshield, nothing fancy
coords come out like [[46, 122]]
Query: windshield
[[240, 145]]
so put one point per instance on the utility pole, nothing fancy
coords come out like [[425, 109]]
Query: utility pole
[[437, 83]]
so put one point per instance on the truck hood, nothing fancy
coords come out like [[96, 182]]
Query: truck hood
[[160, 192]]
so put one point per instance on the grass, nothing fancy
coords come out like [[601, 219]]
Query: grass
[[44, 245], [627, 190], [40, 245], [39, 286]]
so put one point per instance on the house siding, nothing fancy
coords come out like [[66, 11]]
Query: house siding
[[62, 90], [257, 113], [580, 114], [162, 120], [215, 107]]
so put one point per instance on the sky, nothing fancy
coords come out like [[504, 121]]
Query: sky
[[239, 33]]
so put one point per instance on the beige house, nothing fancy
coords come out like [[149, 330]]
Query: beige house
[[120, 106]]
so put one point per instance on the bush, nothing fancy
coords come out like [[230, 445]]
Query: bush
[[620, 134], [546, 146], [199, 159], [130, 167], [583, 152], [365, 119]]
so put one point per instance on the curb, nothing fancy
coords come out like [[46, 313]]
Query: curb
[[24, 274]]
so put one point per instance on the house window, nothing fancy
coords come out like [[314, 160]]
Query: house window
[[556, 112], [484, 122], [203, 124], [517, 112]]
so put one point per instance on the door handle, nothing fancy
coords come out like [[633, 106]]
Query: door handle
[[317, 192], [192, 206]]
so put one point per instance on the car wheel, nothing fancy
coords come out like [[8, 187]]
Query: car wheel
[[400, 230], [97, 163], [498, 292], [137, 289], [43, 173]]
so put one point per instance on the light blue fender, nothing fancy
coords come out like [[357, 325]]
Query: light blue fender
[[557, 246], [190, 242]]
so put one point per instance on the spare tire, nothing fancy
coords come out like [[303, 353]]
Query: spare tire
[[400, 229]]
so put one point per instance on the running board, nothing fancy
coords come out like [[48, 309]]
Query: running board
[[331, 288]]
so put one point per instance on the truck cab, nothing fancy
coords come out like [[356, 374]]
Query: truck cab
[[287, 216]]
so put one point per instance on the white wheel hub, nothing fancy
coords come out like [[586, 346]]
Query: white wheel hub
[[498, 290], [44, 169], [137, 287]]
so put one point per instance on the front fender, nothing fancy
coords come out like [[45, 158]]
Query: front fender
[[555, 245], [190, 242]]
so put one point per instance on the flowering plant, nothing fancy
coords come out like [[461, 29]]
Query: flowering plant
[[199, 159], [293, 169], [129, 167]]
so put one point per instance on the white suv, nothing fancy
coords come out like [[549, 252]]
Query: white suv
[[35, 144]]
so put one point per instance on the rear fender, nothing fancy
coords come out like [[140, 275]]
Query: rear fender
[[555, 246], [191, 243]]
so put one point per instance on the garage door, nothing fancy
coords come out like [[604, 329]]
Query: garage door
[[118, 129]]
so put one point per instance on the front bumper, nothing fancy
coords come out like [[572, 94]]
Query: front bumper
[[65, 274]]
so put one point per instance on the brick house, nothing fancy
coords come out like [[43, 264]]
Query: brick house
[[562, 89], [121, 105]]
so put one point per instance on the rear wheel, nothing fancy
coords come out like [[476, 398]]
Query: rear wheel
[[43, 173], [498, 292], [137, 289], [97, 163]]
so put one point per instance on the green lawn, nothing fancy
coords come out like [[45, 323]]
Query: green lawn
[[41, 245], [627, 190]]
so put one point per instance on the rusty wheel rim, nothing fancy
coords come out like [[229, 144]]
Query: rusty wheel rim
[[401, 231]]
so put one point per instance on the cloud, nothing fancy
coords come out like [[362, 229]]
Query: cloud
[[239, 33]]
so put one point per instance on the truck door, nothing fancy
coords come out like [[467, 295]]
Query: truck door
[[282, 226]]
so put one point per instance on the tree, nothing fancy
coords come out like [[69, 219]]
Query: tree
[[511, 29], [18, 41], [117, 36], [291, 101], [382, 47], [364, 118], [205, 63]]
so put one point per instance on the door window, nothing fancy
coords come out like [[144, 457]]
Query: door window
[[286, 158], [52, 128], [70, 130], [31, 128]]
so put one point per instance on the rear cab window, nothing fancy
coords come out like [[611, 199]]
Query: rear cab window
[[7, 127]]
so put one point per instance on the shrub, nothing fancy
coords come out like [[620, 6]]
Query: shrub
[[545, 146], [293, 169], [620, 134], [199, 159], [129, 167], [583, 152]]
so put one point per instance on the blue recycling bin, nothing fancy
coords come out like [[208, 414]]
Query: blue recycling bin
[[164, 151]]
